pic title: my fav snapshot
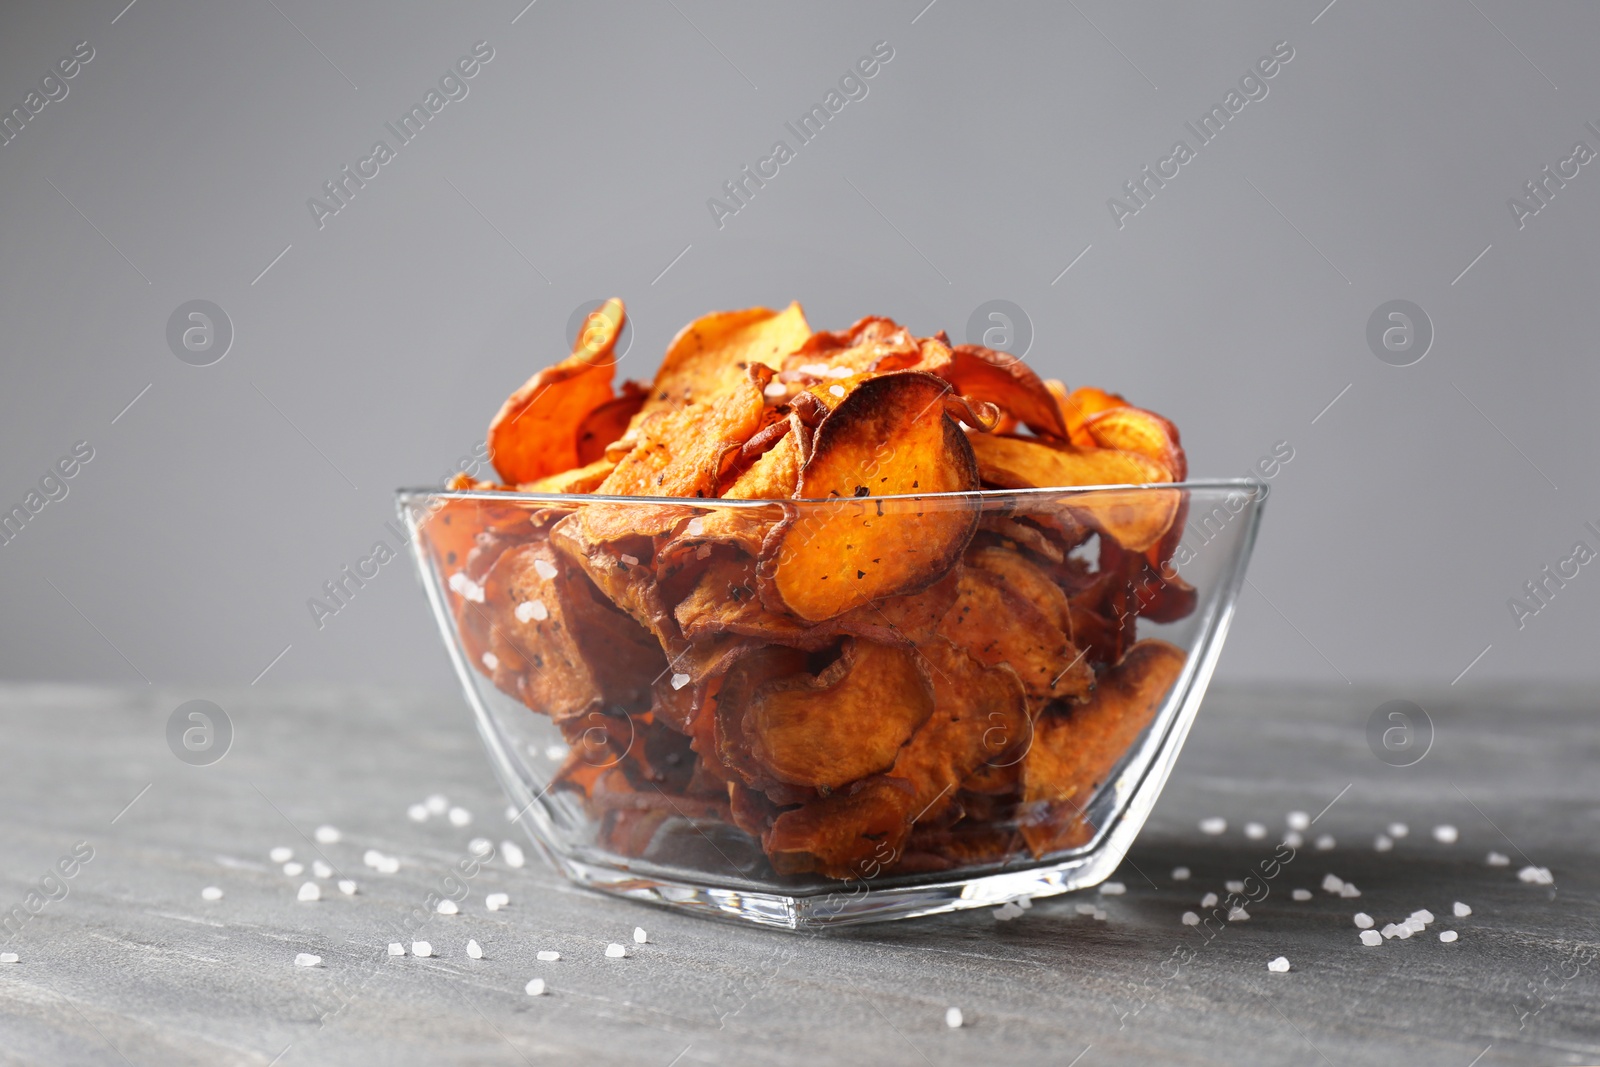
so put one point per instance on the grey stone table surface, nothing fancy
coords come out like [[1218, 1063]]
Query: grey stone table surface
[[130, 965]]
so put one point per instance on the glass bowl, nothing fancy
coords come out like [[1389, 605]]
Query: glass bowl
[[674, 723]]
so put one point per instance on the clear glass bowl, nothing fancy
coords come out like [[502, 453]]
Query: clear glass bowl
[[667, 734]]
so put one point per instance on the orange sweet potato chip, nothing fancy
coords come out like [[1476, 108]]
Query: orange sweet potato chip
[[1137, 430], [724, 600], [1073, 754], [1078, 405], [1003, 379], [712, 355], [603, 426], [536, 431], [889, 436]]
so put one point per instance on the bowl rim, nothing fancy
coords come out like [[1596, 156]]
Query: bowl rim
[[410, 495]]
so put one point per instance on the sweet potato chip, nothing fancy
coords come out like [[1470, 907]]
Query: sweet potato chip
[[1078, 405], [724, 600], [1073, 754], [890, 436], [1003, 379], [712, 355], [603, 426], [996, 623], [536, 431], [585, 479], [1137, 430]]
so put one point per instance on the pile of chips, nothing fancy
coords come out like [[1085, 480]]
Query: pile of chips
[[814, 628]]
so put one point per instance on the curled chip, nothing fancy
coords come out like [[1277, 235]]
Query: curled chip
[[1137, 430], [889, 437], [1003, 379], [536, 431], [711, 355]]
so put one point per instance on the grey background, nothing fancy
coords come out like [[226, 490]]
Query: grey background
[[981, 162]]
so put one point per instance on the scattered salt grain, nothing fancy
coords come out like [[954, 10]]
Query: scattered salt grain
[[703, 552], [1403, 931], [1447, 936], [1024, 903], [1098, 915], [952, 1018], [1301, 894], [1112, 889], [281, 854], [371, 857], [320, 869], [1371, 938], [840, 372], [1233, 887], [1498, 859], [306, 959], [1397, 830], [680, 680], [460, 816], [1279, 965], [531, 611], [210, 892], [294, 868], [438, 803], [511, 812], [480, 846], [1324, 843], [1536, 875], [776, 389], [390, 865], [1293, 839], [309, 892], [1414, 926], [630, 560], [1237, 915], [1191, 919], [1007, 911], [347, 887], [9, 957], [836, 390], [1423, 915], [418, 812], [1213, 825], [1445, 834], [1299, 820], [421, 949], [447, 907], [546, 569], [1332, 883], [465, 587], [1209, 900], [1383, 843], [396, 949], [1461, 910], [639, 936], [327, 835], [534, 988], [816, 370], [491, 661], [1180, 874], [512, 853], [1363, 920], [557, 751], [615, 951], [1347, 891], [474, 949], [1392, 930], [549, 955], [1085, 909], [1254, 831], [496, 901]]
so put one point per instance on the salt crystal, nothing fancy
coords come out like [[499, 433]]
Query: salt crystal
[[1007, 911], [1112, 889], [1213, 825], [816, 370], [639, 936], [1423, 915], [1209, 900], [320, 869], [697, 525], [1416, 926], [680, 680], [396, 949], [1497, 859], [9, 957], [630, 560], [1237, 915], [309, 891], [1324, 842], [1397, 830], [474, 949], [534, 988], [836, 390], [531, 610], [422, 949], [1254, 831], [466, 588], [703, 552], [615, 951], [1332, 883], [372, 857], [1403, 931], [549, 955], [840, 372], [347, 887], [447, 907], [418, 812], [306, 959], [952, 1018], [1299, 820], [512, 853], [557, 751], [776, 389], [1348, 891], [1461, 910], [211, 892], [496, 901], [1279, 965], [1447, 936], [1233, 887], [511, 811], [281, 854], [1301, 894], [1024, 903], [388, 865], [480, 846], [1098, 915], [294, 868], [1180, 874], [545, 568], [1383, 843], [1391, 930], [1085, 909], [1445, 834], [491, 661], [1371, 938], [327, 835], [1363, 920], [1536, 875], [1191, 919], [460, 816], [438, 802], [1293, 839]]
